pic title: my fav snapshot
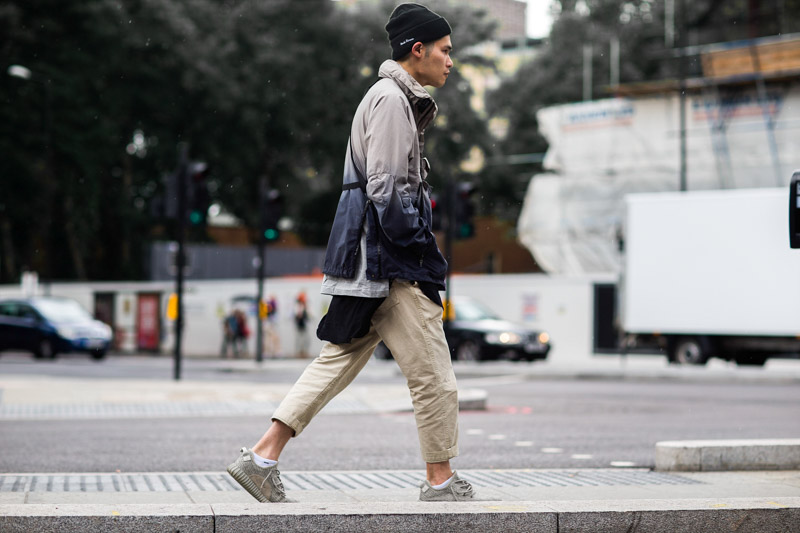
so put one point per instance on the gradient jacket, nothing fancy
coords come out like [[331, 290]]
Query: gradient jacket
[[384, 188]]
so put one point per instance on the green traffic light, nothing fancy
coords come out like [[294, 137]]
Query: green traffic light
[[271, 234], [195, 217]]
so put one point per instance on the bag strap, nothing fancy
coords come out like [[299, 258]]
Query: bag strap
[[362, 181]]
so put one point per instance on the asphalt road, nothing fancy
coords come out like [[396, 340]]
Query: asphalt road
[[531, 423]]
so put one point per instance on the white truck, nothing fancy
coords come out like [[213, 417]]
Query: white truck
[[711, 274]]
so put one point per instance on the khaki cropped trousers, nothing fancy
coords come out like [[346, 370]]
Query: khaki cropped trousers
[[410, 325]]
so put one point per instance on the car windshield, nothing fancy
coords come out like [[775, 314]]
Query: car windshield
[[472, 310], [61, 311]]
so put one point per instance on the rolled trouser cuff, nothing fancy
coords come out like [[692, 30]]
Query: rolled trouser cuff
[[440, 457], [290, 421]]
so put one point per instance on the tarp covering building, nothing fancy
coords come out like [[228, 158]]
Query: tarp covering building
[[741, 132]]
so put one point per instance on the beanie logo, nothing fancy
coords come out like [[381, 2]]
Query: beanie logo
[[406, 41]]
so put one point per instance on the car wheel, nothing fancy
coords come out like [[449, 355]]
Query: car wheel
[[689, 351], [45, 350], [468, 350], [98, 355], [382, 352]]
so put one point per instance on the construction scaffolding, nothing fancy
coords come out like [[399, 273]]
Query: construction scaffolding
[[743, 114]]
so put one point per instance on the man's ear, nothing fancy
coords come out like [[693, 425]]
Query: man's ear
[[417, 48]]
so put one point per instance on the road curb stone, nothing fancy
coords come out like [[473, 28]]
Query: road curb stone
[[153, 518], [761, 515], [726, 455]]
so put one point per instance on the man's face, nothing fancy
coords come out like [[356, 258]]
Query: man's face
[[436, 63]]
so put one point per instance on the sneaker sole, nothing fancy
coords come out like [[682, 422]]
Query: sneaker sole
[[245, 481]]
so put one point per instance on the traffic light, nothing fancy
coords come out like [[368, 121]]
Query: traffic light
[[271, 213], [197, 193], [465, 226], [171, 186]]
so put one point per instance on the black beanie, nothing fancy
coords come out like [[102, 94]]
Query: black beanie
[[412, 23]]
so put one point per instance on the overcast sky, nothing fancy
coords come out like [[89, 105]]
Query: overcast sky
[[538, 15]]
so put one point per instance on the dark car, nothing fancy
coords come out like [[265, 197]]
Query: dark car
[[474, 333], [48, 326]]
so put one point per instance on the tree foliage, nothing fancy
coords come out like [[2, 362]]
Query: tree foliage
[[256, 89]]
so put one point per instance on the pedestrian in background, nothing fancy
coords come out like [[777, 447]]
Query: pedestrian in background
[[230, 335], [272, 341], [383, 268], [301, 319], [242, 331]]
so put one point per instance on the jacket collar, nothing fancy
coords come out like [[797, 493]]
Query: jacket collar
[[425, 108]]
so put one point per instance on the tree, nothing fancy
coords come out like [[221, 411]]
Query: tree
[[256, 89]]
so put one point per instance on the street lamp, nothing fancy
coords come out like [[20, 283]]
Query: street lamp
[[18, 71], [24, 73]]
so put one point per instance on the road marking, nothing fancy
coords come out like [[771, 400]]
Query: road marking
[[497, 436], [552, 450], [474, 432], [776, 504], [507, 508], [582, 456], [622, 464], [523, 443]]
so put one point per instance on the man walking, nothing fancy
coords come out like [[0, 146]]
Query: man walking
[[382, 268]]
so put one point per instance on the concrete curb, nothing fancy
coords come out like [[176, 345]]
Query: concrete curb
[[154, 518], [724, 455], [763, 515], [472, 399], [638, 370]]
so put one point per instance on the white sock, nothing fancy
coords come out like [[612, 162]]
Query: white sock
[[262, 462], [445, 484]]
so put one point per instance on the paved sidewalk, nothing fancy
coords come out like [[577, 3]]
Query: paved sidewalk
[[547, 501], [596, 500], [521, 485]]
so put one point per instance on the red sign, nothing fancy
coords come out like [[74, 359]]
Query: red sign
[[148, 334]]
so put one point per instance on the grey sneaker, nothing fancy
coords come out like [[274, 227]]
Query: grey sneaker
[[263, 483], [459, 490]]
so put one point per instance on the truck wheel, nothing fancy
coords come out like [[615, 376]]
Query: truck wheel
[[689, 351]]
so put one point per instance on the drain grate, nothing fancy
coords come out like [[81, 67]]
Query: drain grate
[[350, 480]]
